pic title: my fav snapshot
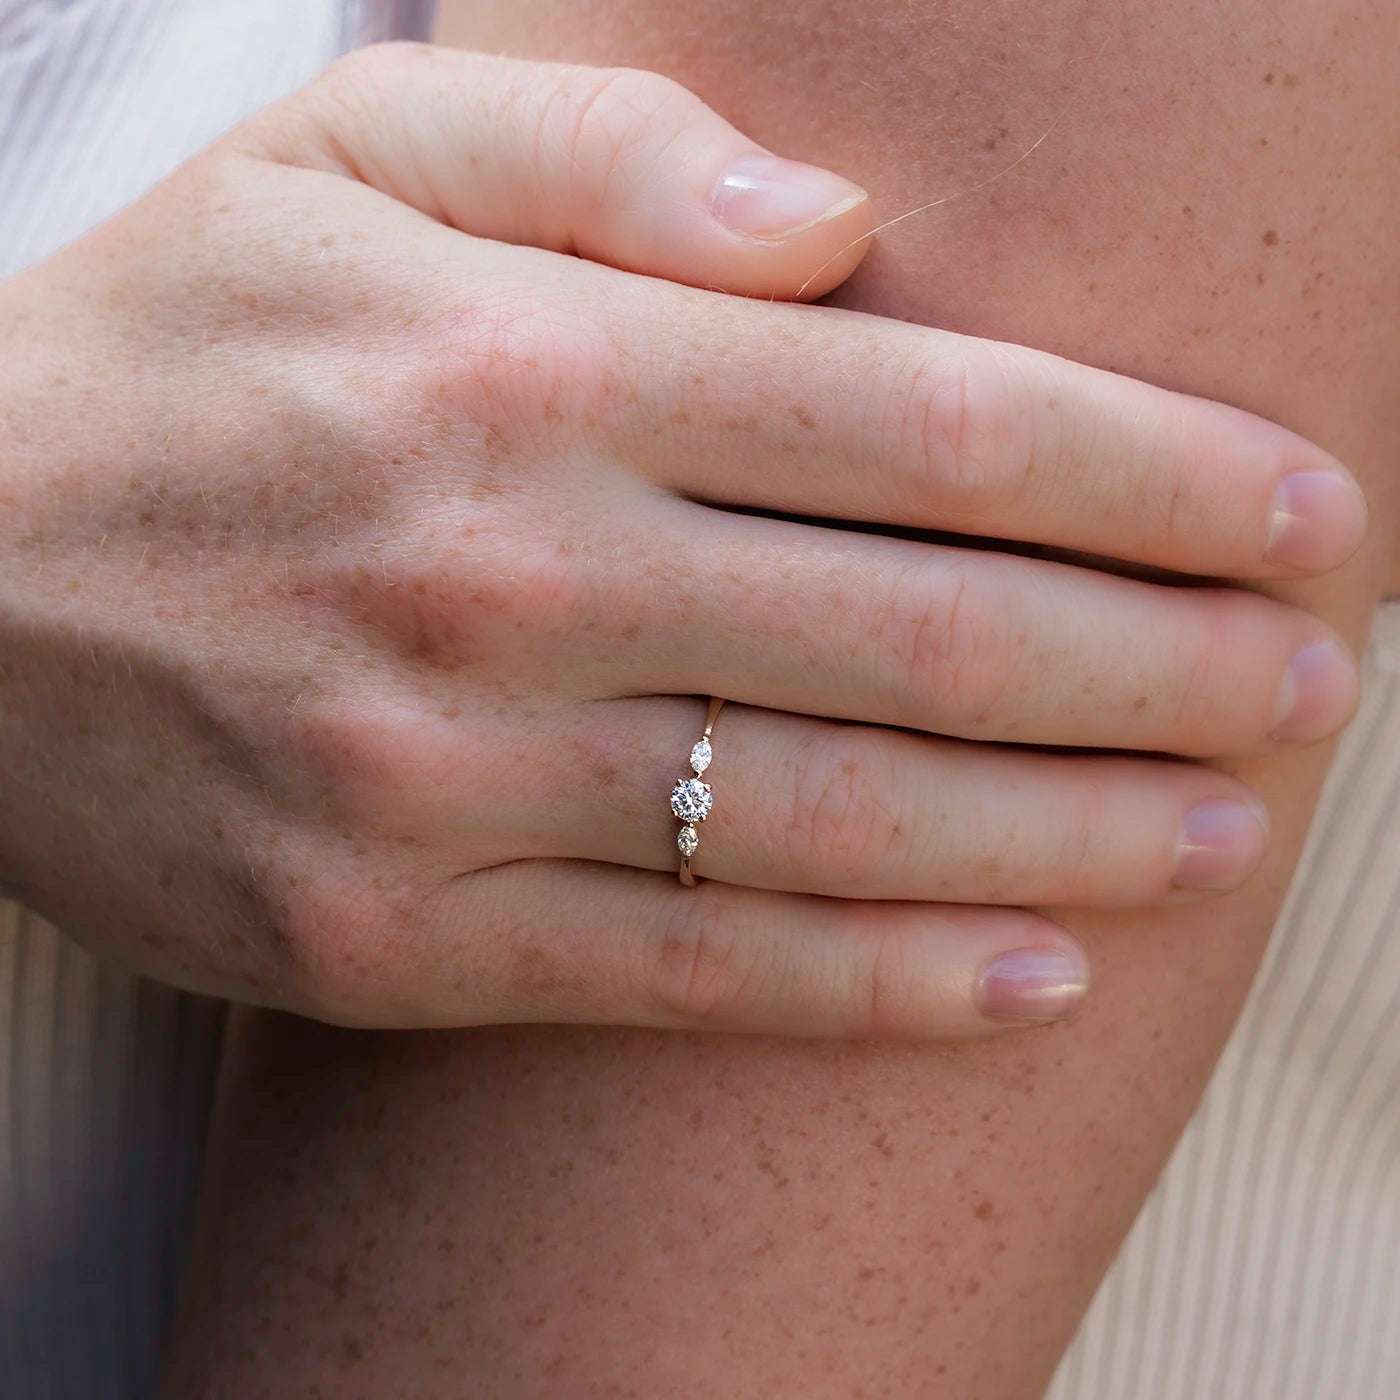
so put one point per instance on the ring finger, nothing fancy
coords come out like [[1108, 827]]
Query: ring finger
[[816, 807]]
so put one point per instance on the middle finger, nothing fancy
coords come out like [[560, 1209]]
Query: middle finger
[[970, 643]]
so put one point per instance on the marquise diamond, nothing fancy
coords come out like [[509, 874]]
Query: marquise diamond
[[688, 839], [691, 800], [701, 755]]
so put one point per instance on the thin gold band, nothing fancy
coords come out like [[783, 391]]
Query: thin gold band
[[691, 799]]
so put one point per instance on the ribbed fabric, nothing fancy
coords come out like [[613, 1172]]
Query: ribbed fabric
[[99, 99], [1266, 1266], [104, 1091]]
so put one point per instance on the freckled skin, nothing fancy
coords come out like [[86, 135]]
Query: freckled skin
[[684, 1216]]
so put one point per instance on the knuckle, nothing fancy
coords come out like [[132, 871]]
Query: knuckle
[[373, 67], [342, 92], [885, 996], [842, 823], [343, 938], [947, 638], [704, 970], [314, 923], [1084, 854], [615, 114], [512, 367], [545, 595], [969, 427], [364, 762], [448, 604], [1204, 703], [1166, 495]]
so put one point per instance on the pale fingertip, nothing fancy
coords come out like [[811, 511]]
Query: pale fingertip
[[1317, 694], [1318, 521], [1034, 985], [767, 197], [1221, 843]]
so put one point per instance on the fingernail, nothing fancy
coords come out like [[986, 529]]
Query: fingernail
[[1318, 522], [1317, 693], [765, 196], [1222, 840], [1032, 985]]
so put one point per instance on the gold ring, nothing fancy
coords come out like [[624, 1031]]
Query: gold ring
[[692, 799]]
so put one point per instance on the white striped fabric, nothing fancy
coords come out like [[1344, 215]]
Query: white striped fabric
[[1266, 1265]]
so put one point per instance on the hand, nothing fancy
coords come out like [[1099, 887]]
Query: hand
[[360, 569]]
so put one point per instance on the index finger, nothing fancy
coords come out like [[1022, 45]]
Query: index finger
[[826, 412]]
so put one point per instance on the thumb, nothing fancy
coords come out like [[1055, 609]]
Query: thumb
[[616, 165]]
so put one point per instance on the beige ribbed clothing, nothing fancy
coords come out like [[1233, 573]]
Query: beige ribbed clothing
[[1266, 1266]]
